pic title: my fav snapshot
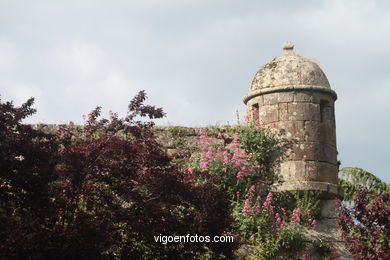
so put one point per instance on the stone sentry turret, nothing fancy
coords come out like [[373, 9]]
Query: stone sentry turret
[[291, 93]]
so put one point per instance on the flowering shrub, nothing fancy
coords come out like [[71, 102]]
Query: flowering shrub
[[270, 227], [228, 156], [222, 161], [242, 161]]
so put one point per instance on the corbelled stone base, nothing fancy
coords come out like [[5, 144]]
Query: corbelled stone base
[[329, 189]]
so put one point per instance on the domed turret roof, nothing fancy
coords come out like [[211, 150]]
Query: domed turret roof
[[289, 71]]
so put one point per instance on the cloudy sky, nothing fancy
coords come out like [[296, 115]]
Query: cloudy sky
[[196, 59]]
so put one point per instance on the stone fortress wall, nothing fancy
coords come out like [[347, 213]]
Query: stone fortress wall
[[290, 94]]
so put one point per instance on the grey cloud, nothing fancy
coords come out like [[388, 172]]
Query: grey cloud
[[196, 59]]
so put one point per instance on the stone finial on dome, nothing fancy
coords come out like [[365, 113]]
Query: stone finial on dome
[[288, 47]]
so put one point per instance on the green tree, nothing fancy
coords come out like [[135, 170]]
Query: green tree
[[353, 178]]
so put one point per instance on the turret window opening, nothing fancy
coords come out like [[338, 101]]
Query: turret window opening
[[324, 110], [255, 112]]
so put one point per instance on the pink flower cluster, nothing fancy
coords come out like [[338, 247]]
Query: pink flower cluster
[[253, 116], [278, 220], [268, 202], [212, 150], [296, 216], [259, 206], [251, 192], [247, 209], [266, 207], [312, 222], [85, 116]]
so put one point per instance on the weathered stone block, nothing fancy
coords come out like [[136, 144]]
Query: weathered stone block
[[318, 96], [304, 111], [314, 131], [320, 131], [294, 130], [308, 151], [321, 171], [314, 151], [330, 133], [303, 96], [312, 171], [270, 99], [283, 112], [285, 97], [328, 153], [292, 170], [329, 209], [297, 170], [268, 114], [329, 172], [260, 100], [255, 101], [330, 189], [329, 226]]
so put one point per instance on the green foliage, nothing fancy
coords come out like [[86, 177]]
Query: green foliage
[[177, 131], [267, 246], [178, 134], [219, 154], [259, 144], [269, 227], [353, 178], [308, 201], [290, 240], [241, 161]]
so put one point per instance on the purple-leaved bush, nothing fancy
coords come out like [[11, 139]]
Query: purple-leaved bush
[[101, 192], [366, 225]]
